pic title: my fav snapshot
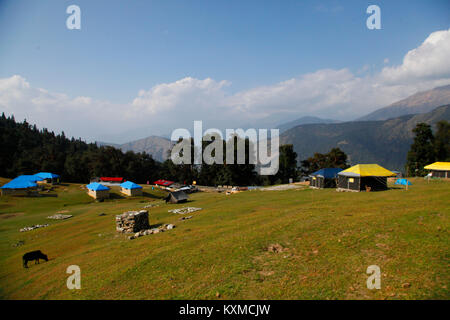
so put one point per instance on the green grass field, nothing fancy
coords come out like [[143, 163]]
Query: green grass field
[[329, 240]]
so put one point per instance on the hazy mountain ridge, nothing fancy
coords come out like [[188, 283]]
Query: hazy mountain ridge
[[157, 147], [421, 102], [303, 120], [384, 142]]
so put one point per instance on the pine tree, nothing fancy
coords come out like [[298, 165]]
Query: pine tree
[[422, 151]]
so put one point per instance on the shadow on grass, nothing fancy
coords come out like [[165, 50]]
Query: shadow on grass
[[152, 196], [115, 196], [153, 226], [47, 195]]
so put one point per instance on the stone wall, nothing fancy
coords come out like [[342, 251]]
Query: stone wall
[[132, 221]]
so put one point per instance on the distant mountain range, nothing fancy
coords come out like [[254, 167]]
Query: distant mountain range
[[385, 142], [372, 138], [420, 102], [157, 147], [303, 120]]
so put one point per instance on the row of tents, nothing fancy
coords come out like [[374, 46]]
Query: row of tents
[[366, 177], [26, 184], [99, 191]]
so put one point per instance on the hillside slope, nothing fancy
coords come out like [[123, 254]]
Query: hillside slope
[[384, 142]]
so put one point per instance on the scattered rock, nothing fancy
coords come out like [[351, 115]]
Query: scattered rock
[[185, 210], [147, 232], [102, 214], [60, 216], [37, 226], [151, 205], [185, 218], [406, 285], [217, 295], [277, 248]]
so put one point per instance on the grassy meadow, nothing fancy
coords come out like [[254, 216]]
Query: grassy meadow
[[325, 240]]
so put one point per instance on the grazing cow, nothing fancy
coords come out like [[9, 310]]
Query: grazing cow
[[33, 255]]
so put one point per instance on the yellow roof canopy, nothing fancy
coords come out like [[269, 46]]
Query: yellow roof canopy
[[367, 170], [444, 166]]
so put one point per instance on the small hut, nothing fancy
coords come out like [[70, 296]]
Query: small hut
[[176, 197], [324, 178], [48, 177], [19, 187], [97, 191], [131, 189], [163, 184], [439, 169], [364, 177]]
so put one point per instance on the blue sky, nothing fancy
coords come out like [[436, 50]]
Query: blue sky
[[127, 46]]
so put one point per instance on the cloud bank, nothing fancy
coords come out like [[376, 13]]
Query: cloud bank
[[328, 93]]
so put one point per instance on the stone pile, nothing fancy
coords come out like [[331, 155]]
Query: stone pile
[[152, 205], [60, 216], [132, 221], [185, 210], [34, 227], [152, 231]]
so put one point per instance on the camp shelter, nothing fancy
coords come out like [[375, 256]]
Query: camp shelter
[[19, 186], [324, 178], [117, 180], [131, 189], [48, 177], [163, 183], [439, 169], [97, 190], [364, 177], [176, 197], [29, 177]]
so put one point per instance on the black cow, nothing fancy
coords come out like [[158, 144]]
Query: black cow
[[33, 255]]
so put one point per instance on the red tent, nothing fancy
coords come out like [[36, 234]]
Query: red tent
[[164, 183], [111, 179]]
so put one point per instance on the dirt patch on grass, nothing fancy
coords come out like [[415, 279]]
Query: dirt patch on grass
[[266, 273], [11, 215], [276, 248]]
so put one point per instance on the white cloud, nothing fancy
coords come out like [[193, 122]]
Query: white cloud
[[328, 93], [431, 60]]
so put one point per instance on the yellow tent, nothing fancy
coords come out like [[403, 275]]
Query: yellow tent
[[367, 170], [439, 169], [442, 166]]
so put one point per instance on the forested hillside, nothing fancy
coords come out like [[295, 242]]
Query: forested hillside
[[27, 150]]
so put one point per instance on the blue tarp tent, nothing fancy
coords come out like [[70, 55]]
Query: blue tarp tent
[[28, 177], [19, 184], [324, 178], [403, 182], [327, 173], [95, 186], [130, 185], [47, 175]]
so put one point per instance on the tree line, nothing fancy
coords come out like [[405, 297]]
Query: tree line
[[26, 150]]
